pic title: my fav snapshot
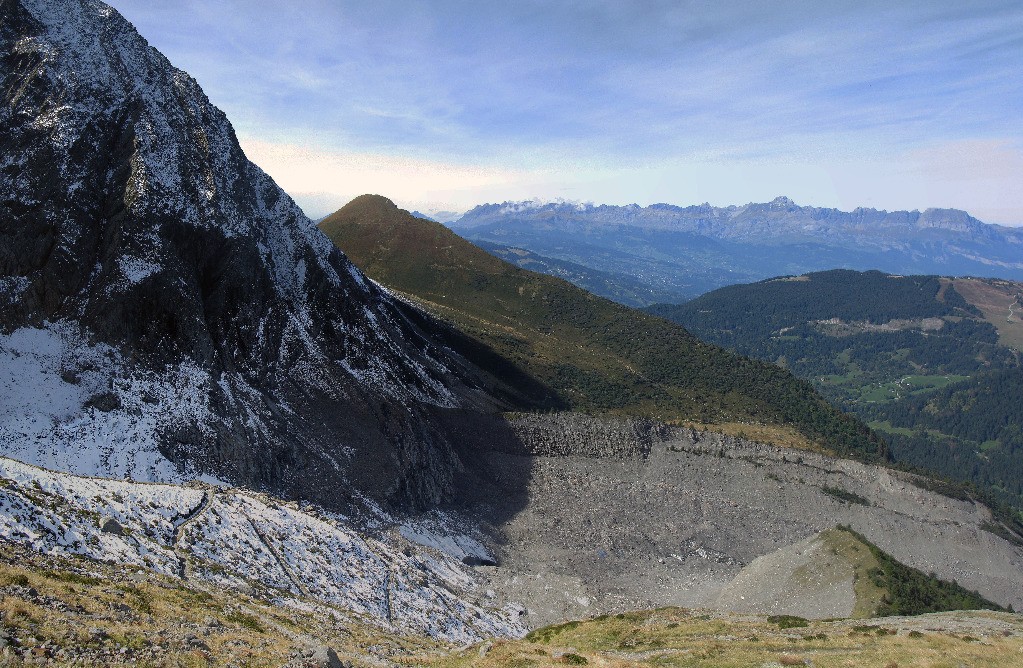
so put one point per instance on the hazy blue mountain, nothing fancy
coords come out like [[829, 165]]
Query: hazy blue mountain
[[691, 250], [618, 287]]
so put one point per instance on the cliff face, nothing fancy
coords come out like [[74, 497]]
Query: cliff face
[[135, 233]]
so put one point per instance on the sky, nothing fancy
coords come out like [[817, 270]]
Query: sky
[[447, 104]]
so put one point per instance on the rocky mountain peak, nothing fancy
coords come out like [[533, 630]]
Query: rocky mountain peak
[[130, 218]]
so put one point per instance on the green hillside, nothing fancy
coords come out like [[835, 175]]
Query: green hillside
[[925, 360], [900, 589], [595, 354], [861, 337], [971, 430]]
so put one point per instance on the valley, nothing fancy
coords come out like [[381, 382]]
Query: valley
[[936, 370]]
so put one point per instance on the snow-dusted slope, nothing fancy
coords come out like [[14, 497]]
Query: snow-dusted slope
[[241, 539], [188, 316], [72, 406]]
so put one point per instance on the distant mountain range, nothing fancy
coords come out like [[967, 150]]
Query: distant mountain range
[[687, 251]]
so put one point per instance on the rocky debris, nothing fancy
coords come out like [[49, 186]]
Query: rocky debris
[[316, 656], [260, 545], [808, 579], [104, 401], [475, 560], [195, 642], [562, 434], [675, 522]]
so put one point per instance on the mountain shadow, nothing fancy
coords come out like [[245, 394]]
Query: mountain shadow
[[597, 355]]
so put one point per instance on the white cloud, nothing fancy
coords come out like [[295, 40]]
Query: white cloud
[[322, 180], [980, 176]]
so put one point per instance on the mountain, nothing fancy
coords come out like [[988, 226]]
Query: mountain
[[691, 250], [622, 289], [307, 455], [612, 513], [595, 354], [167, 311], [932, 362]]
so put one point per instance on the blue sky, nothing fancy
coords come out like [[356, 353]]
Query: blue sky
[[443, 105]]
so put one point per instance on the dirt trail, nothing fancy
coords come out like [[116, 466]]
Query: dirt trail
[[281, 561], [179, 531]]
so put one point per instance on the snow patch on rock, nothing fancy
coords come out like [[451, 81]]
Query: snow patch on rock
[[299, 555], [70, 405]]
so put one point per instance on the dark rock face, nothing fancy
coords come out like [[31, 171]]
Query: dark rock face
[[128, 208]]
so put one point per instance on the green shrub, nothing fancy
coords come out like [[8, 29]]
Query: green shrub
[[788, 621], [245, 620], [844, 495], [548, 632], [16, 579]]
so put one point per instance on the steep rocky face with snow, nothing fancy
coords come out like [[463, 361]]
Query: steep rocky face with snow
[[163, 300]]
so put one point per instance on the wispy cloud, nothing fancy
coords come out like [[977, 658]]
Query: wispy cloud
[[587, 88]]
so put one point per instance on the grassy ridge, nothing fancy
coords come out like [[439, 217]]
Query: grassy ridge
[[595, 354], [887, 587], [75, 612], [70, 611], [677, 637]]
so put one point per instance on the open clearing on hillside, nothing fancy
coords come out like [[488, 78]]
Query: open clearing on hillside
[[1000, 303], [892, 390]]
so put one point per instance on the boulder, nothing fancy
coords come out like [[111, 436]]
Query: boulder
[[110, 525]]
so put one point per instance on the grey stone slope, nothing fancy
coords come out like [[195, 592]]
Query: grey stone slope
[[631, 519]]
